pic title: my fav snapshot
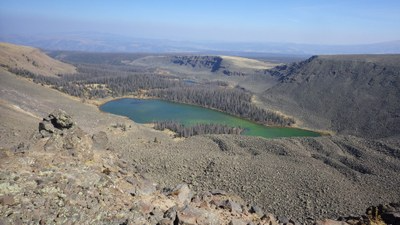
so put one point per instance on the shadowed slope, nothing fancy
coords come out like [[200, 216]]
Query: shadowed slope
[[353, 94]]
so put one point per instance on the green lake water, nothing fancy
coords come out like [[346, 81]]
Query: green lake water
[[150, 110]]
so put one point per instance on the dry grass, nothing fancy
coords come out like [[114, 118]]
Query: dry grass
[[32, 59], [248, 63]]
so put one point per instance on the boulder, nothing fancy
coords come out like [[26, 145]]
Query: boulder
[[269, 219], [193, 215], [141, 186], [170, 214], [232, 206], [65, 137], [7, 200], [55, 123], [100, 140], [183, 193], [72, 143], [257, 210]]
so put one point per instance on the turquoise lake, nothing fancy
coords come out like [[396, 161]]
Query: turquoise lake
[[150, 110]]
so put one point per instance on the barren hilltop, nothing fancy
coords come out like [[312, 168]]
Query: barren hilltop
[[63, 161]]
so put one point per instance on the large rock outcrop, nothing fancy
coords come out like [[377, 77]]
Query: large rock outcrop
[[64, 136], [55, 123]]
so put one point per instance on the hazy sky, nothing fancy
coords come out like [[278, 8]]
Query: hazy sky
[[312, 21]]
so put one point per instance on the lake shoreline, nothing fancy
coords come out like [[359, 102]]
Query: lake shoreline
[[270, 131]]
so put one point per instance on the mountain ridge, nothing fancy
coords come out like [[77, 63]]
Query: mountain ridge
[[353, 94]]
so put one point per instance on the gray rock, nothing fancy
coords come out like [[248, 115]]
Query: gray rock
[[269, 219], [55, 122], [7, 200], [257, 210], [218, 192], [74, 142], [165, 222], [183, 193], [100, 140], [237, 222], [232, 206], [157, 214], [192, 215], [171, 213], [60, 119], [141, 187], [283, 220]]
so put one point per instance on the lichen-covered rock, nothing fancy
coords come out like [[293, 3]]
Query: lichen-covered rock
[[55, 123], [74, 142], [65, 137]]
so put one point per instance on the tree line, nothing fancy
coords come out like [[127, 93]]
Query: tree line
[[198, 129], [100, 81], [233, 101]]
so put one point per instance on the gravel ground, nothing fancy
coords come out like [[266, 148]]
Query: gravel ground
[[322, 177]]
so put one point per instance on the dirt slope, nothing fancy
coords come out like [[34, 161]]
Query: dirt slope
[[31, 59]]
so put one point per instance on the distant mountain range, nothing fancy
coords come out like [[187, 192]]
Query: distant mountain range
[[102, 42]]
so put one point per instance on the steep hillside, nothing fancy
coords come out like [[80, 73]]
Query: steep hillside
[[31, 59], [352, 94]]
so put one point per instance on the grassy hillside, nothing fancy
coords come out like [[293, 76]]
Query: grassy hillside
[[31, 59]]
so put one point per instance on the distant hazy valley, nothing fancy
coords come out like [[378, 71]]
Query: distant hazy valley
[[104, 42]]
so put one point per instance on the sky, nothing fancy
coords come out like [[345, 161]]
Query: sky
[[294, 21]]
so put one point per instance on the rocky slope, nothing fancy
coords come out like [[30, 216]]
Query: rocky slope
[[66, 176], [31, 59], [353, 94], [302, 179]]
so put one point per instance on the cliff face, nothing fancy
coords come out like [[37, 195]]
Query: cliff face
[[212, 63], [355, 94]]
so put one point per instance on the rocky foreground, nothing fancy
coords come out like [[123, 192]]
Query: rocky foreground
[[65, 176]]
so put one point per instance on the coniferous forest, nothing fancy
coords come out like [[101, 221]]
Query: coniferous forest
[[94, 81], [187, 131]]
